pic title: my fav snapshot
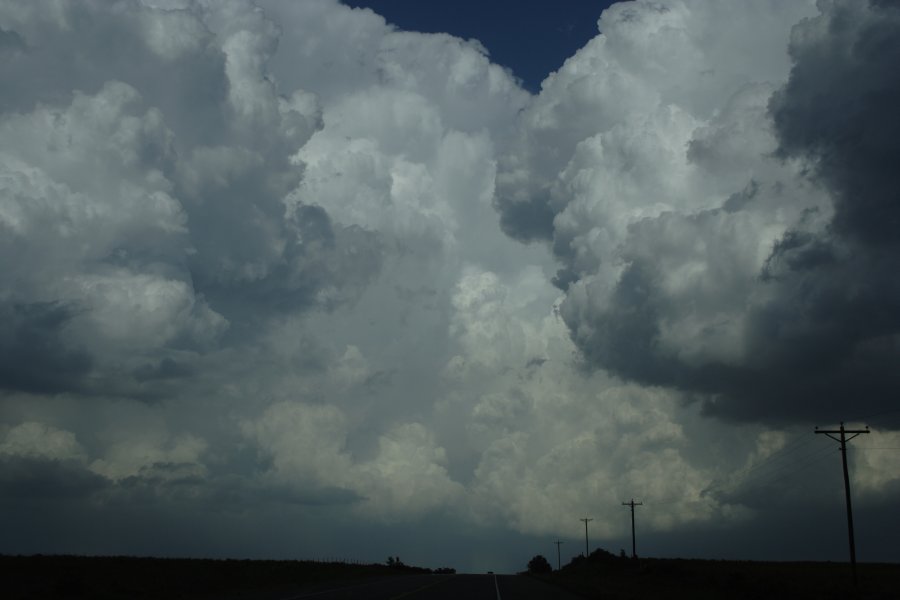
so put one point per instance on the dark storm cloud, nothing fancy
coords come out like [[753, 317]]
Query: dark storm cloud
[[33, 355], [824, 349], [10, 42], [166, 368], [30, 478], [529, 219], [158, 141], [839, 109], [159, 474], [672, 299], [797, 531], [170, 486], [312, 496], [322, 265], [831, 336]]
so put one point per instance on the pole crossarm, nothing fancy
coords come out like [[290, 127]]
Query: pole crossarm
[[855, 432]]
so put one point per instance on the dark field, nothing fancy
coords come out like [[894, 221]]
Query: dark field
[[602, 576], [114, 578], [620, 579]]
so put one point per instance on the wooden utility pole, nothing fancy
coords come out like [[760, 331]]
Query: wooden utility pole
[[586, 553], [632, 504], [557, 542], [843, 439]]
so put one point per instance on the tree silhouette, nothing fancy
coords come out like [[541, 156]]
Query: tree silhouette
[[539, 564]]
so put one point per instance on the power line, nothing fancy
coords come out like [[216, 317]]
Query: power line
[[802, 447], [798, 444], [768, 468], [774, 471], [759, 468], [788, 469]]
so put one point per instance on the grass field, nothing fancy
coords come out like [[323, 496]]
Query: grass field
[[115, 578], [613, 578]]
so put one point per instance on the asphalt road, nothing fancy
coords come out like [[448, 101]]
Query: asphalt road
[[444, 587]]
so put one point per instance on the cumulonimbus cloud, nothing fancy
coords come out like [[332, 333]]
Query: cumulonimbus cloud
[[262, 255], [724, 219]]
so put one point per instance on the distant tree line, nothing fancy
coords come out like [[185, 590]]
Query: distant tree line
[[394, 562], [539, 564]]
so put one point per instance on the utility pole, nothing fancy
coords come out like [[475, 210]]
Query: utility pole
[[632, 504], [557, 542], [843, 439], [586, 553]]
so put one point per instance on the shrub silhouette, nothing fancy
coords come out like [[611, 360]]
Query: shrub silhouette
[[539, 564]]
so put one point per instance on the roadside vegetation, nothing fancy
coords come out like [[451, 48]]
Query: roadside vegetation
[[605, 575]]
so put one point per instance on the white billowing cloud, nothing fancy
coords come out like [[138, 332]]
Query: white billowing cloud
[[172, 34], [85, 208], [876, 462], [547, 462], [669, 164], [78, 169], [139, 208], [655, 73], [307, 444], [42, 462], [142, 451], [395, 158], [550, 443], [140, 311], [488, 323], [635, 159], [39, 440], [348, 51], [408, 476]]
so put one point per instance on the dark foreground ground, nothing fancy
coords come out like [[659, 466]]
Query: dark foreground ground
[[601, 576], [120, 578], [612, 578], [114, 578]]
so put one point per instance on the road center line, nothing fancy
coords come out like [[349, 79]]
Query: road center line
[[497, 587]]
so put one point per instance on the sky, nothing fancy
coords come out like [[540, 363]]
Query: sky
[[292, 279], [532, 38]]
